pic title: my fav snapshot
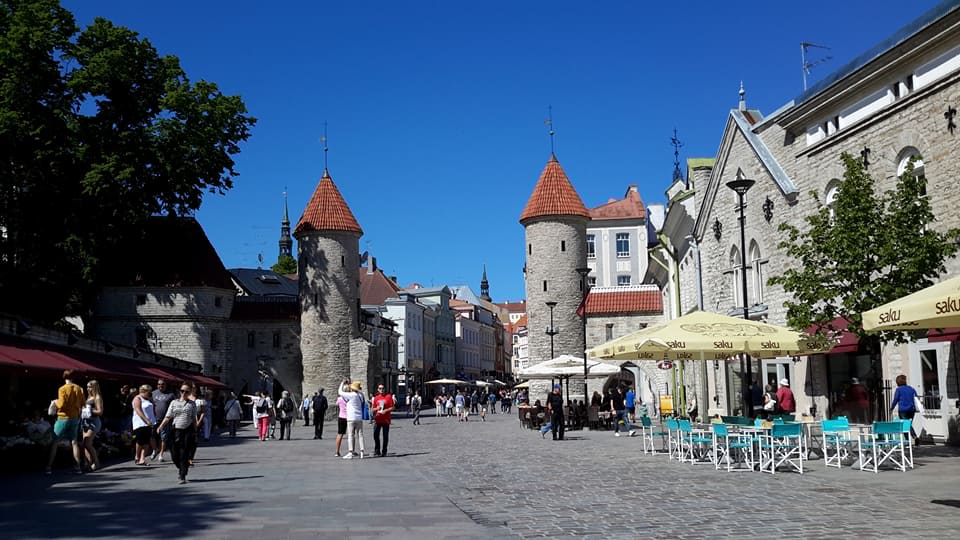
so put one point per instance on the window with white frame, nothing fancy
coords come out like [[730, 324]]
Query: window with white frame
[[623, 281], [830, 196], [756, 273], [623, 244], [908, 155], [591, 246], [736, 285]]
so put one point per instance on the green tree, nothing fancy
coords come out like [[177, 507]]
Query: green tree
[[285, 265], [98, 132], [866, 249]]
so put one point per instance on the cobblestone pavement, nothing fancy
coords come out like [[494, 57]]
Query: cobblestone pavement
[[478, 480]]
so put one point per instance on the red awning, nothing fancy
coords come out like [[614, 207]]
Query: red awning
[[848, 341], [90, 364], [943, 334]]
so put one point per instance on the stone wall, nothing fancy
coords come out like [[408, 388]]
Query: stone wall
[[282, 362], [328, 264], [557, 267]]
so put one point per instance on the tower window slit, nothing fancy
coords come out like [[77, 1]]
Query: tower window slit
[[544, 285], [563, 245]]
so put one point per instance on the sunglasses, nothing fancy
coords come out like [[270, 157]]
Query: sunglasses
[[184, 390]]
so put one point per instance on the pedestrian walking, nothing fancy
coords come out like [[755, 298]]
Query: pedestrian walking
[[383, 404], [905, 402], [353, 395], [415, 403], [144, 420], [262, 406], [90, 424], [341, 421], [438, 402], [492, 401], [182, 415], [618, 407], [631, 399], [286, 412], [555, 407], [233, 413], [319, 405], [161, 399], [460, 400], [67, 408], [305, 409]]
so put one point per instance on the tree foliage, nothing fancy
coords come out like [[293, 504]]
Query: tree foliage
[[285, 265], [98, 131], [872, 248]]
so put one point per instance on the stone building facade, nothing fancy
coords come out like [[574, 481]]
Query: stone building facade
[[892, 103]]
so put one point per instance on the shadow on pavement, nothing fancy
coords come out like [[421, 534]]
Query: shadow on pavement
[[227, 479], [95, 506], [947, 502]]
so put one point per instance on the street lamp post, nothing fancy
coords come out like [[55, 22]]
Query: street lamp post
[[585, 290], [741, 185], [551, 331]]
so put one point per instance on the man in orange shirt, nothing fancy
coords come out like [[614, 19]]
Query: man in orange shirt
[[69, 402], [382, 405]]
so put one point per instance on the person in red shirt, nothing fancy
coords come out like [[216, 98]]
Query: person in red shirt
[[382, 405], [858, 401], [785, 398]]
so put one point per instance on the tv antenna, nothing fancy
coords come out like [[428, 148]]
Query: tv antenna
[[804, 64]]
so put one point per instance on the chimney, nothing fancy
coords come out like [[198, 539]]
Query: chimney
[[393, 279]]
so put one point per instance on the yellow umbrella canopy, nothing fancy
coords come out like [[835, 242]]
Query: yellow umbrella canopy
[[708, 336], [937, 306]]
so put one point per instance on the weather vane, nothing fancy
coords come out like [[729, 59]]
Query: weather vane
[[549, 123], [677, 175], [325, 148]]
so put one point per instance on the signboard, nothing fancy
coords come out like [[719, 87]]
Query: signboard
[[665, 364], [666, 404]]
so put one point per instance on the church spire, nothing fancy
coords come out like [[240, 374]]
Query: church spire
[[286, 242], [485, 286]]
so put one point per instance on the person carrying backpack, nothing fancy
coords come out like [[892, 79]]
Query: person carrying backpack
[[262, 406], [286, 412], [319, 412]]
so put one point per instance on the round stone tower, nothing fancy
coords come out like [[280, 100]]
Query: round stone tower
[[555, 221], [328, 246]]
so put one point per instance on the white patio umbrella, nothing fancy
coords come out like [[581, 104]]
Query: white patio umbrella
[[447, 381], [569, 366], [482, 383]]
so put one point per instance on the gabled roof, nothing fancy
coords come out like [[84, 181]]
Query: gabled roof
[[169, 252], [623, 302], [629, 207], [259, 282], [375, 288], [738, 123], [327, 211], [553, 195], [514, 307]]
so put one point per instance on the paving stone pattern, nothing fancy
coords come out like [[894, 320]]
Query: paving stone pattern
[[478, 480]]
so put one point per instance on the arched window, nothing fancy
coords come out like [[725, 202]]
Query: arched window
[[911, 153], [736, 284], [756, 272], [830, 195]]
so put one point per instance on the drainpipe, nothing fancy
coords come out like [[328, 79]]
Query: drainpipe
[[705, 397], [680, 390]]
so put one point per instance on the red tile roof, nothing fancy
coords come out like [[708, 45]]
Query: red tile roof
[[631, 206], [375, 288], [554, 195], [327, 211], [621, 302], [522, 321], [514, 307]]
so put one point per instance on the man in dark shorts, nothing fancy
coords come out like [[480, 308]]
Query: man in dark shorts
[[161, 398]]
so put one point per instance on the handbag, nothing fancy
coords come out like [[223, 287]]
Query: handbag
[[366, 411], [52, 409], [86, 412]]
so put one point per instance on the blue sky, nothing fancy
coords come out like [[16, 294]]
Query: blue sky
[[436, 109]]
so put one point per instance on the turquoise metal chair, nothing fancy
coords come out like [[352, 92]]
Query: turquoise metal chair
[[783, 446], [696, 446], [836, 436], [674, 440], [649, 433], [883, 445], [908, 440], [728, 447]]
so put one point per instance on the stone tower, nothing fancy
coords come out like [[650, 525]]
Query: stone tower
[[328, 245], [286, 243], [555, 221]]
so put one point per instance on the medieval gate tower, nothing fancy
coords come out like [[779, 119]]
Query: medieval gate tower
[[555, 222], [328, 248]]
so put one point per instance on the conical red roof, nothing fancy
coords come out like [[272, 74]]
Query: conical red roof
[[327, 211], [554, 195]]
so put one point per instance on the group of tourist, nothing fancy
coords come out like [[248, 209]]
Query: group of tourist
[[160, 420], [352, 406], [462, 404]]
